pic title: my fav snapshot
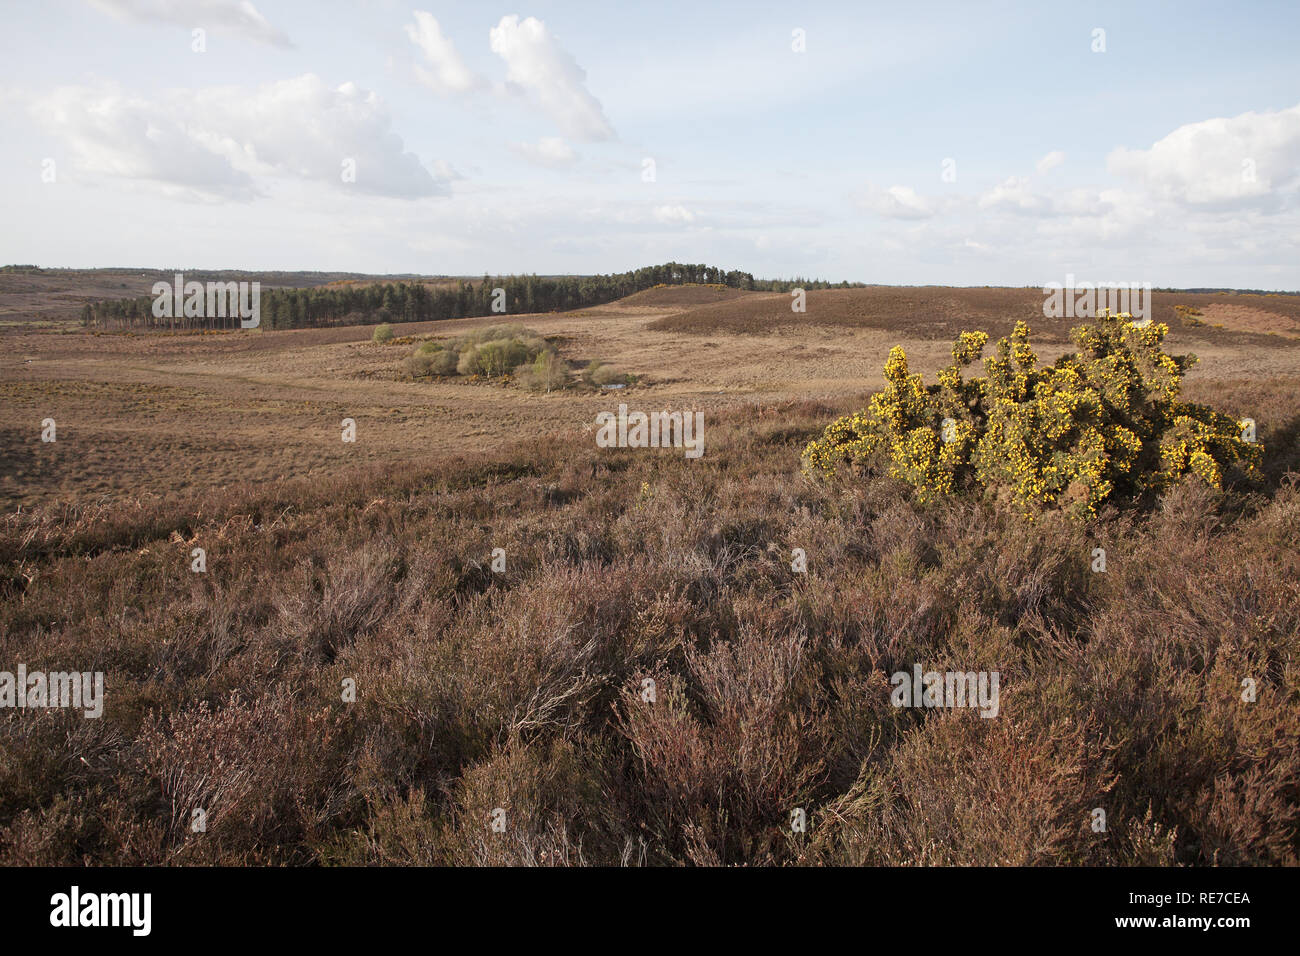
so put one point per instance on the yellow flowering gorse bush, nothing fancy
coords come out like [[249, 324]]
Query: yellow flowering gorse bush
[[1104, 421]]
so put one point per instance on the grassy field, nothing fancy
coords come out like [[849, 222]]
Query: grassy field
[[162, 414], [523, 689]]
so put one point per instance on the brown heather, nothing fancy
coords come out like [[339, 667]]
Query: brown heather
[[522, 690]]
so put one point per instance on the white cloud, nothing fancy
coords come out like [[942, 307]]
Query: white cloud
[[1254, 157], [238, 17], [447, 72], [537, 65], [112, 134], [897, 202], [218, 142], [1050, 161], [548, 151], [1014, 194], [446, 171], [671, 215]]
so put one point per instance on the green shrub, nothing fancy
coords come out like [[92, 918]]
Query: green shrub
[[383, 334], [418, 365], [1103, 422], [442, 363], [490, 334], [436, 361], [608, 375], [546, 373], [500, 357], [598, 373], [497, 351], [467, 361]]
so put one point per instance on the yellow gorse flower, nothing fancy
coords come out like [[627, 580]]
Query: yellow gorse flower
[[1102, 420]]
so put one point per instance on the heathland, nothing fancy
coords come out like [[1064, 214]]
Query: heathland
[[522, 687]]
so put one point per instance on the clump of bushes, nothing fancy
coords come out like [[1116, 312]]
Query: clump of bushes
[[546, 373], [497, 350], [1102, 423], [598, 373], [432, 359], [491, 352], [383, 334], [508, 351]]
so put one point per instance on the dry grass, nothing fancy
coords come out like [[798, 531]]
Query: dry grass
[[522, 689], [937, 312], [162, 414], [686, 296]]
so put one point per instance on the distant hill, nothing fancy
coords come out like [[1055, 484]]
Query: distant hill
[[670, 296], [941, 312]]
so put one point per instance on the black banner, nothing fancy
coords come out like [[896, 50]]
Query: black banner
[[336, 906]]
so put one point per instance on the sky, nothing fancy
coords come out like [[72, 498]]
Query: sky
[[896, 143]]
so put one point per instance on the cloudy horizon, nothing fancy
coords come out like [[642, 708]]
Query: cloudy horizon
[[1009, 146]]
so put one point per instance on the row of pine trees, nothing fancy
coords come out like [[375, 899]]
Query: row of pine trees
[[421, 301]]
